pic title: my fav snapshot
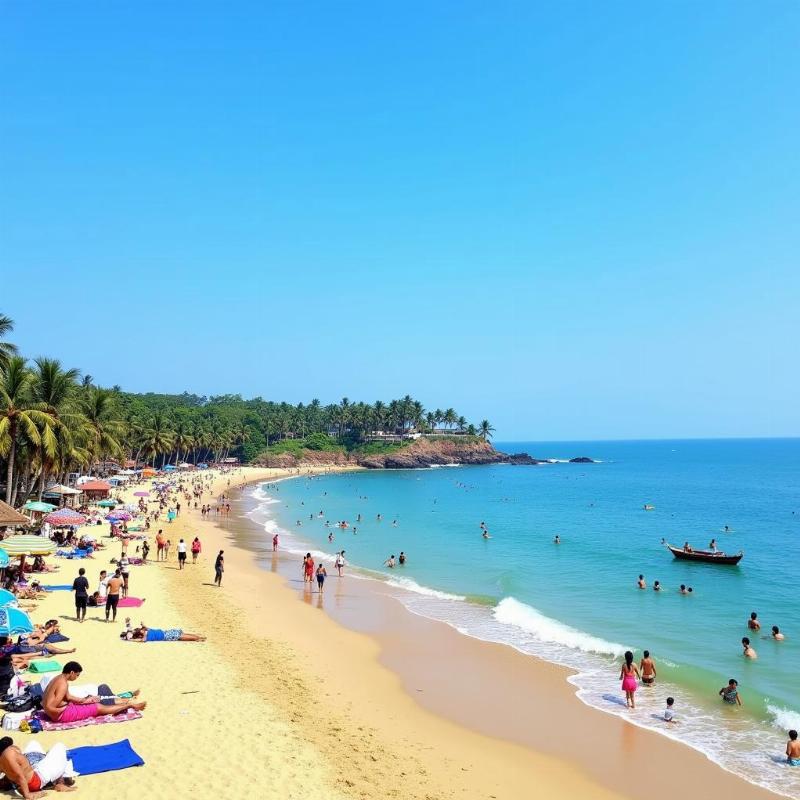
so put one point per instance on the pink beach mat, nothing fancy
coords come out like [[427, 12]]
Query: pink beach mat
[[48, 725], [130, 602]]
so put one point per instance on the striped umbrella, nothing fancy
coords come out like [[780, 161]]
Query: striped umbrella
[[13, 622], [65, 516], [119, 516], [37, 505], [27, 545]]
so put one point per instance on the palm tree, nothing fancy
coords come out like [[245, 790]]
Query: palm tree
[[485, 430], [343, 415], [450, 417], [87, 382], [183, 439], [7, 350], [104, 428], [17, 417], [158, 437], [461, 422]]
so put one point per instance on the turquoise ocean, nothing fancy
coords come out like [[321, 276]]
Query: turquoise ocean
[[576, 603]]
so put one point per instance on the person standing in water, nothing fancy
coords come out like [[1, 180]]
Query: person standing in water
[[641, 583], [339, 563], [748, 651], [402, 558], [793, 750], [322, 573], [629, 675], [648, 669], [753, 622], [730, 693]]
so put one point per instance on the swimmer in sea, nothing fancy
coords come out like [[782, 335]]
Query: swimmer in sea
[[748, 651], [557, 540], [402, 558], [793, 750], [753, 622], [656, 586], [485, 534], [641, 582], [330, 536], [776, 633], [389, 561], [648, 669]]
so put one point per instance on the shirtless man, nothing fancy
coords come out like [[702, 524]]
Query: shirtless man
[[747, 648], [61, 706], [648, 669], [30, 781], [793, 750], [115, 584], [641, 582], [753, 622]]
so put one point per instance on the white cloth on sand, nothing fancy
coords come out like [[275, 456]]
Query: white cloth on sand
[[54, 765]]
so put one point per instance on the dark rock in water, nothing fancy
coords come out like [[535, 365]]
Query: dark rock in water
[[523, 458], [581, 460]]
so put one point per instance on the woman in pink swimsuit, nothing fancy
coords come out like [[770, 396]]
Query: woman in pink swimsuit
[[629, 676]]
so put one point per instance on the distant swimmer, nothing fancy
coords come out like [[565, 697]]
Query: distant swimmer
[[648, 669], [402, 559], [641, 583], [656, 586], [686, 589], [730, 693], [485, 534], [557, 540], [389, 561], [747, 649], [776, 633], [727, 529], [753, 622], [330, 536], [379, 517]]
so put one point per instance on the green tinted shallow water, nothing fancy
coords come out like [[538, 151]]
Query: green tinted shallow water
[[577, 602]]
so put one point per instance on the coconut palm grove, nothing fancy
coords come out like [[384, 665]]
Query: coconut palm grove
[[55, 420]]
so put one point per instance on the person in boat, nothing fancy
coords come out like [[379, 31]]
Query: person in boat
[[753, 622], [776, 633], [687, 548], [641, 583], [730, 693], [712, 545], [748, 651]]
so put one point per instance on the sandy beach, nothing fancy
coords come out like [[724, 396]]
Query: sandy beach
[[346, 696]]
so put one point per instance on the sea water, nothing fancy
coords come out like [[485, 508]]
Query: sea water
[[577, 603]]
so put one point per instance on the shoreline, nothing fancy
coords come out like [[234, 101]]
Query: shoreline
[[507, 679]]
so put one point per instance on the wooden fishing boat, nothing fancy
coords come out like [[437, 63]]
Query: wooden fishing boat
[[705, 556]]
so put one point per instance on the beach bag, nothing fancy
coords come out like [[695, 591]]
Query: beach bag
[[12, 721], [21, 703]]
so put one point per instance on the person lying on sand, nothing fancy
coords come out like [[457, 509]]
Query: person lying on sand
[[33, 770], [22, 654], [61, 706], [144, 634]]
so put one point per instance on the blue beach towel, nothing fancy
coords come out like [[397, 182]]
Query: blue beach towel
[[59, 588], [92, 759]]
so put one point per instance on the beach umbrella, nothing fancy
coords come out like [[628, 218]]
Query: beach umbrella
[[37, 505], [3, 563], [141, 494], [27, 545], [107, 503], [65, 516], [13, 622], [7, 598], [119, 516]]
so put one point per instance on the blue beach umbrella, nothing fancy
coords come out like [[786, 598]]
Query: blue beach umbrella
[[3, 559], [7, 598], [13, 622]]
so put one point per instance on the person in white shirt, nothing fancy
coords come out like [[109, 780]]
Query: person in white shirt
[[102, 588], [669, 711], [181, 554]]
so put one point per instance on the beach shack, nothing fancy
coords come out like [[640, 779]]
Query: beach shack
[[9, 518], [61, 495], [96, 490]]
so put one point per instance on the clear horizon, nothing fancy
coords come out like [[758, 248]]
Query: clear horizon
[[569, 220]]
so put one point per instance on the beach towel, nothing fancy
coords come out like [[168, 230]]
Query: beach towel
[[130, 602], [44, 666], [65, 588], [49, 725], [92, 759], [55, 638]]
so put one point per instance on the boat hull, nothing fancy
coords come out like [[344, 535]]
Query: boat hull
[[706, 557]]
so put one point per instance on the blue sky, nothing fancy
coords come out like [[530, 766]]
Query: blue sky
[[579, 220]]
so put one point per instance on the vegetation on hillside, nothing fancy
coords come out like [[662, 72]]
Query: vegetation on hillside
[[54, 420]]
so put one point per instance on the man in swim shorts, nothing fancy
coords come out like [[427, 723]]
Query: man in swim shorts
[[34, 769], [793, 750], [115, 584], [648, 669], [61, 706]]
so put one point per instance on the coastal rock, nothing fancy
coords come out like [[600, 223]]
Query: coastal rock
[[581, 460]]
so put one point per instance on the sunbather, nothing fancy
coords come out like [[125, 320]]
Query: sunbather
[[145, 634], [34, 769], [61, 706]]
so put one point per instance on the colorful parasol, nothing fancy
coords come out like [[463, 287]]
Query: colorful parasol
[[65, 516], [27, 545]]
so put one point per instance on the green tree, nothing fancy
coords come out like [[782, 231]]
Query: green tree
[[7, 350], [485, 430]]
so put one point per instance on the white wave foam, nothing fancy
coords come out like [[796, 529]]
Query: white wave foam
[[411, 585], [784, 718], [511, 612]]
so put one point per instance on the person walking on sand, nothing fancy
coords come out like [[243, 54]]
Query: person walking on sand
[[308, 569], [181, 554], [275, 543], [648, 669], [339, 563], [81, 588], [160, 542], [112, 598], [125, 573], [629, 674], [322, 573], [196, 548], [219, 568]]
